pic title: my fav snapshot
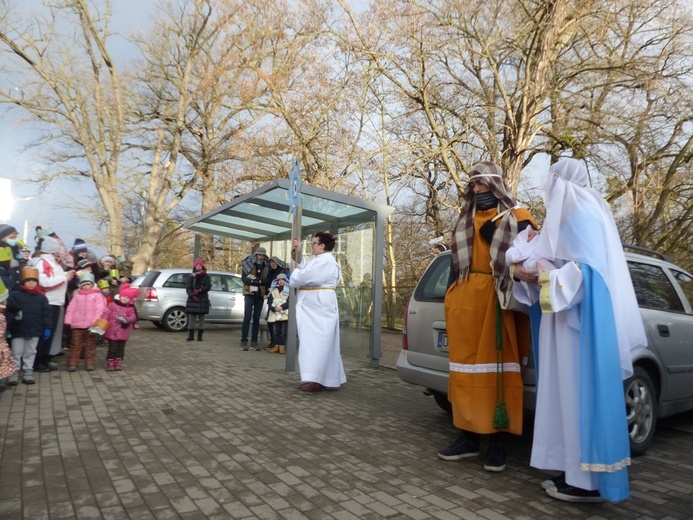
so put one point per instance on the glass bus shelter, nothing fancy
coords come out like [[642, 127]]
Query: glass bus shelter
[[262, 216]]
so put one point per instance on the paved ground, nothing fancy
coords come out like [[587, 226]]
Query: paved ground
[[203, 430]]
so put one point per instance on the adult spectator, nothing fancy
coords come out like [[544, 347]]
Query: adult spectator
[[317, 317], [197, 304], [254, 274], [486, 342], [590, 323], [54, 280], [63, 257]]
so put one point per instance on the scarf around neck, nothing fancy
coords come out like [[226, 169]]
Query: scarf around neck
[[463, 235]]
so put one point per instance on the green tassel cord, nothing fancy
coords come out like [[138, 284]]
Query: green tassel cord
[[500, 418]]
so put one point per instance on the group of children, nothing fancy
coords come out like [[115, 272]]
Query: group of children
[[100, 304]]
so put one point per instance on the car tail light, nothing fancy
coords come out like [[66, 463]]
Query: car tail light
[[151, 295], [405, 343]]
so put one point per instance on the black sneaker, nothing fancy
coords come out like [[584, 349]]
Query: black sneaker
[[254, 346], [12, 382], [244, 344], [554, 482], [460, 449], [495, 458], [42, 369], [28, 381], [569, 493]]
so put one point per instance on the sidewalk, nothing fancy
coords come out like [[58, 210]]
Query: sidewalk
[[204, 430]]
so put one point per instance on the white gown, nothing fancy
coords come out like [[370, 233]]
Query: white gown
[[317, 321], [556, 443]]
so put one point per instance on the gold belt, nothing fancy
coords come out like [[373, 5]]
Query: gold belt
[[316, 289]]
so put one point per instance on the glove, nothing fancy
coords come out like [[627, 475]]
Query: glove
[[46, 334], [8, 335], [122, 320], [196, 292]]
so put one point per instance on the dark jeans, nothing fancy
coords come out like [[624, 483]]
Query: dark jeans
[[253, 308], [279, 330], [43, 349]]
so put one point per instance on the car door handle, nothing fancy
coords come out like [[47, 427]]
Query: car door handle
[[663, 331]]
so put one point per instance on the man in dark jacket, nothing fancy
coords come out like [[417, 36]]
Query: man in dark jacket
[[254, 272], [29, 317]]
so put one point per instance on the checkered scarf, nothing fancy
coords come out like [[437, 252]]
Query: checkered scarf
[[463, 236]]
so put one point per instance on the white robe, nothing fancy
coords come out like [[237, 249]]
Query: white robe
[[556, 444], [317, 321]]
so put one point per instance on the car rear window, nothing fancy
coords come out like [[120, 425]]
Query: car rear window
[[434, 282], [149, 278], [177, 281], [653, 289]]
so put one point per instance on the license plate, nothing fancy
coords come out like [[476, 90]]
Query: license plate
[[442, 345]]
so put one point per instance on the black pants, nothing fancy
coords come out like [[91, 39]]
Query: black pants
[[43, 349], [279, 330], [253, 308], [116, 349]]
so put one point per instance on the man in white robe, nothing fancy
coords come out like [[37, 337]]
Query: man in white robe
[[317, 317]]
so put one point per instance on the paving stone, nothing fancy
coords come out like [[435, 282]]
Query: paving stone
[[211, 432]]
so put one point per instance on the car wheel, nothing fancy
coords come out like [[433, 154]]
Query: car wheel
[[158, 324], [175, 320], [641, 410], [442, 401]]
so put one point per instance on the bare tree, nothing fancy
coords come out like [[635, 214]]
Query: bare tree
[[66, 79]]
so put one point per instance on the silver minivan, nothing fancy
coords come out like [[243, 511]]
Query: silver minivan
[[162, 299], [662, 383]]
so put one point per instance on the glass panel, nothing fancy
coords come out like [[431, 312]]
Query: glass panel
[[686, 283], [653, 288], [234, 284]]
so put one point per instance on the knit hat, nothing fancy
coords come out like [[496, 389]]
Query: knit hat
[[86, 278], [4, 293], [108, 258], [102, 284], [79, 246], [261, 251], [29, 273], [129, 292], [50, 245], [198, 262], [84, 262], [281, 276], [6, 230], [44, 232]]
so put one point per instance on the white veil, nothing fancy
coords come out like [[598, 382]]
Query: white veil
[[579, 227]]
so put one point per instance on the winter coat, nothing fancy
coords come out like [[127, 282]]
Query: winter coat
[[51, 277], [118, 331], [198, 286], [255, 277], [28, 314], [277, 298], [86, 307]]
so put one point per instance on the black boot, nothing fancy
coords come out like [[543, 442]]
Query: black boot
[[199, 335], [191, 334]]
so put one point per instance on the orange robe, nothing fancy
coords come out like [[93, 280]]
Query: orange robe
[[470, 317]]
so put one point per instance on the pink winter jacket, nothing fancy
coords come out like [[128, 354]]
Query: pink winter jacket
[[86, 307], [116, 331]]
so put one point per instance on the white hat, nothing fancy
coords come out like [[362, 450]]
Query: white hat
[[50, 245]]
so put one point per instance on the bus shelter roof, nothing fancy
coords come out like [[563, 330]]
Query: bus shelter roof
[[263, 214]]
